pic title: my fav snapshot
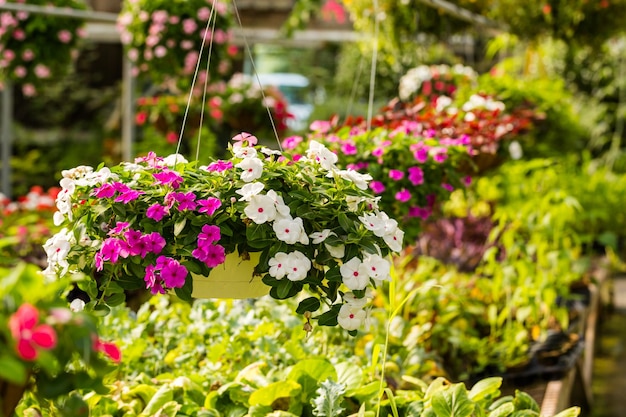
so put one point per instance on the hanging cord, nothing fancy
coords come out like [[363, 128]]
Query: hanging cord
[[195, 76], [370, 104], [256, 75], [206, 82], [355, 85]]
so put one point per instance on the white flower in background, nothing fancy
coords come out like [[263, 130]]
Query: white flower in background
[[355, 274], [352, 300], [249, 190], [76, 172], [394, 240], [174, 159], [360, 180], [77, 305], [278, 265], [515, 150], [245, 152], [291, 231], [442, 103], [336, 251], [282, 210], [319, 237], [57, 248], [378, 268], [298, 266], [261, 209], [351, 317], [252, 168], [318, 152], [267, 151]]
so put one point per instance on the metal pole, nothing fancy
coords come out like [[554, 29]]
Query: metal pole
[[61, 11], [7, 137], [128, 109]]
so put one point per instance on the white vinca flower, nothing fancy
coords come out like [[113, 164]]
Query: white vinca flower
[[354, 301], [278, 265], [252, 168], [319, 237], [354, 274], [298, 266], [378, 268], [57, 248], [282, 210], [318, 152], [174, 159], [260, 209], [244, 152], [249, 190], [394, 240], [351, 317], [360, 180], [291, 231], [336, 251]]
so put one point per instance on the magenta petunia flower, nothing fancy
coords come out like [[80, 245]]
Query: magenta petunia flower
[[403, 195], [168, 177], [209, 205], [156, 212], [396, 175], [416, 175], [377, 187], [219, 166], [186, 201], [104, 191]]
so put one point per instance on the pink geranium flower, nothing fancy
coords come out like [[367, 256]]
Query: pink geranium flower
[[30, 335]]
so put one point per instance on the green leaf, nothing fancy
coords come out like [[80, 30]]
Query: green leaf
[[452, 402], [523, 401], [179, 226], [283, 288], [164, 395], [329, 318], [12, 369], [503, 410], [184, 293], [346, 224], [350, 375], [309, 373], [116, 299], [268, 394], [484, 388], [570, 412], [310, 304], [329, 398], [256, 232], [334, 274]]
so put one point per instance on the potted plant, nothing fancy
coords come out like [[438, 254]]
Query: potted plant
[[44, 346], [163, 224], [163, 38], [412, 170], [36, 48]]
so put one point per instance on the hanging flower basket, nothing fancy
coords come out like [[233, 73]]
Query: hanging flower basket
[[234, 278], [297, 222]]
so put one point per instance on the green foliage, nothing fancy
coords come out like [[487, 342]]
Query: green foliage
[[328, 401]]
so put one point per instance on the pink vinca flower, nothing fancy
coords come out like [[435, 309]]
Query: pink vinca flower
[[416, 175], [109, 349], [396, 175], [168, 177], [403, 195], [209, 206], [30, 336], [64, 36]]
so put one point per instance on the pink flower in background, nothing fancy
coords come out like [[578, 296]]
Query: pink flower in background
[[30, 336], [416, 175], [448, 187], [320, 126], [440, 155], [333, 10], [421, 212], [159, 16], [467, 181], [186, 44], [109, 349], [64, 36], [81, 33], [8, 54], [189, 26], [171, 137], [29, 90], [421, 155], [20, 72], [28, 55], [174, 20], [403, 195], [160, 51], [204, 13], [19, 34], [232, 50], [42, 71], [377, 187], [396, 175], [291, 142], [348, 148]]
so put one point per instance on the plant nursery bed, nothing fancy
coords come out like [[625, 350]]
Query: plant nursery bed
[[564, 381]]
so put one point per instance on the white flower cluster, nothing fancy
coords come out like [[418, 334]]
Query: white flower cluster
[[270, 207], [415, 77], [477, 101]]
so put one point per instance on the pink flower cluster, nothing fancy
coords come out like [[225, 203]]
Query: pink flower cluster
[[23, 35], [124, 241], [166, 36]]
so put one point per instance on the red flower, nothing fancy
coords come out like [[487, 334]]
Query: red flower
[[29, 335], [109, 349]]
